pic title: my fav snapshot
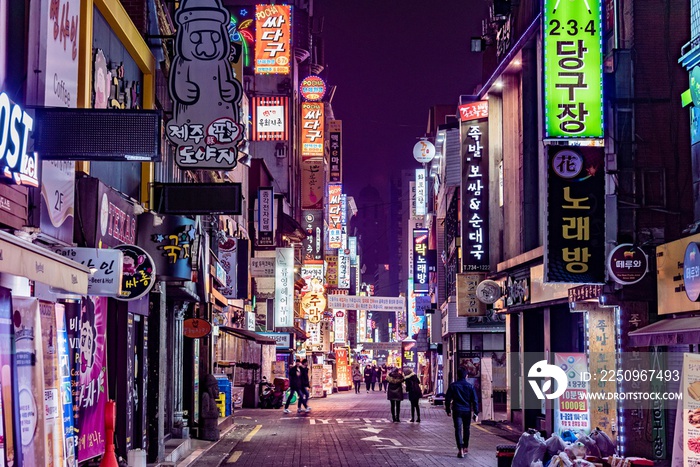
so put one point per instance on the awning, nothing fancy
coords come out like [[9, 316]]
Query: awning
[[672, 331], [25, 259], [291, 228], [248, 335], [300, 335]]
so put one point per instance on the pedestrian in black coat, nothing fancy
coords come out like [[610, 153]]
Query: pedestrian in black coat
[[462, 402], [415, 393], [369, 374], [394, 393]]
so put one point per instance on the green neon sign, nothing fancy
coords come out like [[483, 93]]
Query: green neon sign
[[573, 69]]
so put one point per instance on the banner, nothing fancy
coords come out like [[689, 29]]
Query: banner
[[575, 250], [53, 407], [30, 375], [371, 303], [92, 360]]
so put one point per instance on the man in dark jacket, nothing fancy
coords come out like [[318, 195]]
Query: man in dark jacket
[[369, 374], [294, 383], [462, 402], [305, 385]]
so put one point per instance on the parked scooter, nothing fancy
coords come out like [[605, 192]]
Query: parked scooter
[[271, 396]]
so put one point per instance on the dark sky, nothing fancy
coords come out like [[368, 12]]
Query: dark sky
[[391, 60]]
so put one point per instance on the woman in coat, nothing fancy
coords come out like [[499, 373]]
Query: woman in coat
[[382, 382], [415, 393], [394, 393], [356, 378], [369, 374]]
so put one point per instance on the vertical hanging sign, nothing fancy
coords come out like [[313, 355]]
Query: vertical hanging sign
[[272, 39], [266, 217], [284, 287], [335, 227], [421, 284], [475, 208], [575, 251], [335, 129], [312, 129], [573, 69], [420, 192]]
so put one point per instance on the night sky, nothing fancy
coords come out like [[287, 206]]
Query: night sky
[[391, 61]]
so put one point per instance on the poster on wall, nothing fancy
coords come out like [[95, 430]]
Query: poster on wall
[[92, 371], [571, 409], [53, 408], [30, 375]]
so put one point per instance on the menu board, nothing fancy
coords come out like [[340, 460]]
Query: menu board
[[317, 380]]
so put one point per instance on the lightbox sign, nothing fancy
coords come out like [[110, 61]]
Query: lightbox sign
[[573, 69], [205, 125], [343, 270], [312, 88], [284, 287], [266, 216], [475, 209], [312, 129], [15, 127], [335, 134], [421, 284], [272, 39], [420, 192], [575, 250], [270, 118], [335, 227], [313, 243], [474, 111]]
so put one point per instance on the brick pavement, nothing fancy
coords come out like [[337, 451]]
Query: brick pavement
[[346, 429]]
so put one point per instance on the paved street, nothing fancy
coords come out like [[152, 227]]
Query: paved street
[[347, 429]]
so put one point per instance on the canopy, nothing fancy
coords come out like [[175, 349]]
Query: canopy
[[672, 331]]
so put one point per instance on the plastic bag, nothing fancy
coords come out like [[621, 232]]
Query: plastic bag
[[560, 460], [591, 446], [555, 445], [604, 443], [568, 436], [294, 396], [530, 448]]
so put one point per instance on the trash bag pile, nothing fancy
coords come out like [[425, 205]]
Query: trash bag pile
[[568, 450]]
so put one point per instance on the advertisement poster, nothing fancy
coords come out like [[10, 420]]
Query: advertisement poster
[[8, 376], [30, 369], [328, 379], [53, 410], [93, 378], [571, 409], [691, 409], [317, 380], [70, 437]]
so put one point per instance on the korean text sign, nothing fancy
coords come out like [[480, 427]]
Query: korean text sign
[[421, 284], [573, 69], [575, 215], [284, 287], [266, 216], [334, 216], [272, 39], [312, 129], [335, 128]]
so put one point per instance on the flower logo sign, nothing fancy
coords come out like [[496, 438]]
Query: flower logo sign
[[205, 126]]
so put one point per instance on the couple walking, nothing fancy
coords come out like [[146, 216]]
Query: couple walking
[[299, 384], [395, 393]]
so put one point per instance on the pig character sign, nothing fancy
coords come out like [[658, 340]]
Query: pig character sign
[[205, 126]]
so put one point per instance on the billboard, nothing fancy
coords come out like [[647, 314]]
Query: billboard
[[573, 69], [273, 36]]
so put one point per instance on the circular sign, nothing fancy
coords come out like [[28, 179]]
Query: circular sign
[[567, 163], [196, 328], [488, 292], [313, 304], [312, 88], [139, 272], [627, 264], [691, 272], [424, 151]]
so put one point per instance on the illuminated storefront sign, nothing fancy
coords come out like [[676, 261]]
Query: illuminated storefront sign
[[339, 326], [421, 284], [61, 73], [313, 304], [312, 88], [573, 69], [335, 228], [332, 271], [272, 39], [352, 246], [571, 409], [16, 125], [420, 192], [475, 185], [335, 134], [312, 129], [313, 275], [343, 270], [205, 125], [312, 245], [284, 287], [575, 215], [474, 111], [266, 216], [270, 118]]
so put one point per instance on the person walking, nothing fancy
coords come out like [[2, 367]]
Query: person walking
[[376, 377], [415, 393], [356, 378], [394, 393], [305, 384], [368, 374], [294, 383], [463, 403], [383, 382]]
